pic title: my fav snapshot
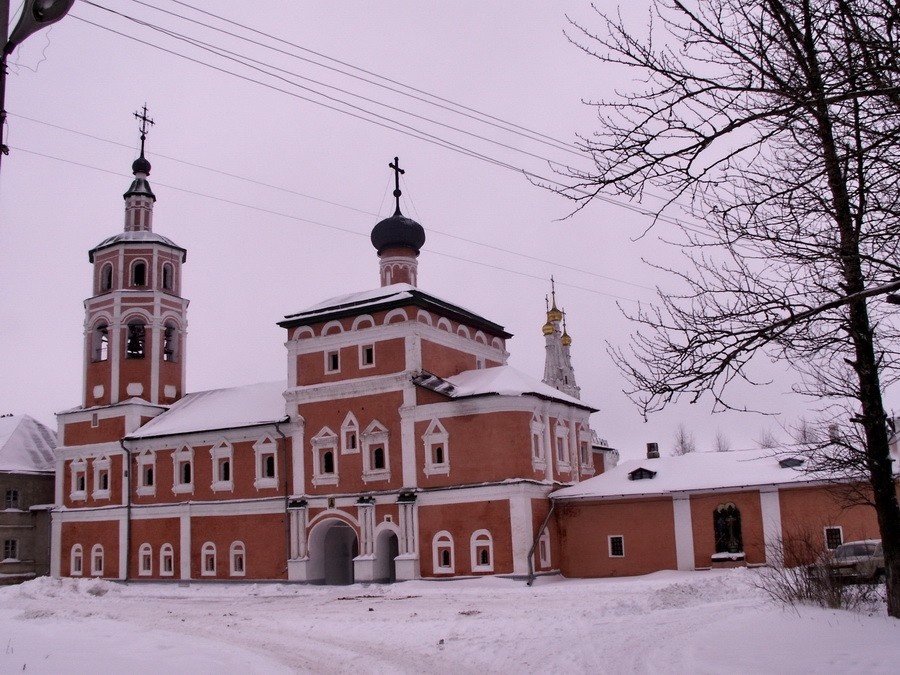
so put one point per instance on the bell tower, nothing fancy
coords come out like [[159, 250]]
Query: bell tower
[[136, 320]]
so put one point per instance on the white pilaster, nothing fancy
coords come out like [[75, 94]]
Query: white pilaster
[[684, 532], [521, 531], [184, 552], [770, 506]]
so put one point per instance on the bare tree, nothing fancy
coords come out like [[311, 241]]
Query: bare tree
[[775, 124], [767, 439], [804, 433], [721, 443], [684, 441]]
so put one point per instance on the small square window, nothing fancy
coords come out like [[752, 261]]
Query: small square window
[[617, 546], [366, 356], [333, 362]]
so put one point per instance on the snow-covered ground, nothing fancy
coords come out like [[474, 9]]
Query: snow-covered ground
[[669, 622]]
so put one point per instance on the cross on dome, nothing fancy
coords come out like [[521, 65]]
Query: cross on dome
[[395, 165]]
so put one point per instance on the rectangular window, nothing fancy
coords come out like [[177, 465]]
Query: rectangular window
[[585, 453], [366, 356], [12, 499], [95, 420], [148, 476], [834, 537], [616, 546], [10, 549], [332, 362]]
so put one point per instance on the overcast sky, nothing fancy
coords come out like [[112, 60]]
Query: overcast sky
[[273, 180]]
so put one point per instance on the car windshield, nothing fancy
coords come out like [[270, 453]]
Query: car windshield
[[854, 550]]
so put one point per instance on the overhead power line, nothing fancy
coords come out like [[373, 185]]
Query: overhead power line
[[329, 226]]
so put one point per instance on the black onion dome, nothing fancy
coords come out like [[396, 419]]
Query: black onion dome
[[398, 230], [141, 165]]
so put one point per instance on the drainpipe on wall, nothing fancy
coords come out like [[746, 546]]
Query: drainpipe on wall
[[287, 515], [534, 544], [127, 487]]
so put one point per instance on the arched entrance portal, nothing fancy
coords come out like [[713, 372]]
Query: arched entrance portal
[[332, 547], [386, 549]]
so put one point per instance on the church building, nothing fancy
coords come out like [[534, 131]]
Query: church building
[[401, 446]]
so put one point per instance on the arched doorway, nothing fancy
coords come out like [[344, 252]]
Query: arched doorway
[[386, 549], [332, 547]]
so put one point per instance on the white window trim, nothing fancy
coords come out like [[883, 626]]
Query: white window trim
[[144, 460], [609, 541], [97, 554], [544, 548], [443, 539], [434, 435], [362, 350], [322, 442], [481, 538], [76, 553], [101, 464], [328, 368], [350, 425], [376, 434], [538, 452], [207, 548], [184, 454], [825, 534], [78, 466], [263, 447], [166, 550], [237, 547], [562, 451], [587, 463], [145, 550], [219, 452]]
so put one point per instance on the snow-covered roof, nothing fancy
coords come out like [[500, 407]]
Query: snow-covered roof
[[386, 297], [139, 237], [246, 406], [500, 381], [26, 445], [693, 471]]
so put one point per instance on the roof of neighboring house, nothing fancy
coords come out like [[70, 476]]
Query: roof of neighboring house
[[695, 471], [247, 406], [26, 445], [385, 298], [496, 381]]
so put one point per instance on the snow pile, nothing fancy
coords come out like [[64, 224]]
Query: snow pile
[[682, 622]]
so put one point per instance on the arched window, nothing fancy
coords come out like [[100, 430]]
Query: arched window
[[76, 561], [482, 551], [134, 344], [145, 560], [442, 553], [186, 473], [727, 528], [238, 557], [97, 560], [166, 560], [106, 275], [168, 273], [100, 342], [378, 458], [170, 342], [328, 462], [208, 560], [139, 273]]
